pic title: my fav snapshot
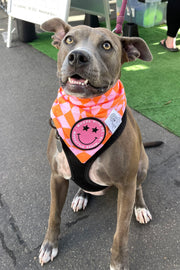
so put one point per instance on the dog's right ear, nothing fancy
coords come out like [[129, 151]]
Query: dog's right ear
[[59, 27]]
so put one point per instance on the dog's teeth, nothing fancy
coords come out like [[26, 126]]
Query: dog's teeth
[[70, 80], [77, 82]]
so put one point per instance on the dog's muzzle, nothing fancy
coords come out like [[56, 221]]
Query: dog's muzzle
[[78, 58]]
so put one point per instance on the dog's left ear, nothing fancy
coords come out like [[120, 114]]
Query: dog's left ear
[[133, 48], [59, 27]]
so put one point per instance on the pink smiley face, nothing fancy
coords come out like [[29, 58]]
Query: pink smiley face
[[88, 133]]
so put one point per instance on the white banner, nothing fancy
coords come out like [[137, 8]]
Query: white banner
[[38, 11]]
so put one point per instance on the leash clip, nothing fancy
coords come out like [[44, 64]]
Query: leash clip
[[114, 31]]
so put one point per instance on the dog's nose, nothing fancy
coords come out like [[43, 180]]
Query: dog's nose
[[78, 58]]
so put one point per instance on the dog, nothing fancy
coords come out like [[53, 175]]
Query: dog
[[89, 67]]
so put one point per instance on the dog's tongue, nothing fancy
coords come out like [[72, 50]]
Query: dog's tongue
[[79, 81]]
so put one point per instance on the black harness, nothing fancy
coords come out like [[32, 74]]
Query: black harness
[[80, 171]]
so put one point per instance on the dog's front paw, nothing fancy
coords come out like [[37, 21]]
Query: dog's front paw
[[47, 252], [119, 267], [142, 215], [79, 201]]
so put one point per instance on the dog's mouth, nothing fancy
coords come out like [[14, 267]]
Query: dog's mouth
[[81, 87], [77, 80]]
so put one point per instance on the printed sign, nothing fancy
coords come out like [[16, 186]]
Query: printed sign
[[38, 11]]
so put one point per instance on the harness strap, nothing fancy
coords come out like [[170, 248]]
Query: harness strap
[[80, 171]]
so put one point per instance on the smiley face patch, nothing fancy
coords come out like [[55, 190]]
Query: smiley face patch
[[88, 133]]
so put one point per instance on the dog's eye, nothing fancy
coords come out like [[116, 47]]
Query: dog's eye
[[107, 45], [69, 40]]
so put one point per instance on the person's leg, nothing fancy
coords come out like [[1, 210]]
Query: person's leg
[[173, 18], [173, 23]]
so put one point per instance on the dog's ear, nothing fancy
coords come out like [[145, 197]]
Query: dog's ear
[[133, 48], [59, 27]]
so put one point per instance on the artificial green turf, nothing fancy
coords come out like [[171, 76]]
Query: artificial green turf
[[152, 88], [43, 44]]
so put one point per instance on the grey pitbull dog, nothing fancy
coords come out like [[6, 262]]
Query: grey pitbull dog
[[89, 64]]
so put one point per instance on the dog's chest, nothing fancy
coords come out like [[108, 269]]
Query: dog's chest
[[87, 128], [95, 171]]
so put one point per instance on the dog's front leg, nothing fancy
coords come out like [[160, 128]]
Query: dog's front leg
[[126, 199], [49, 248]]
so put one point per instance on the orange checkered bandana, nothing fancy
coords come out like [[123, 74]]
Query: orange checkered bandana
[[85, 125]]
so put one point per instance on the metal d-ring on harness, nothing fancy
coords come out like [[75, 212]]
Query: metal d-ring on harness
[[120, 19]]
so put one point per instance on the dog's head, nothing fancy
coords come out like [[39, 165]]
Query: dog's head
[[90, 59]]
